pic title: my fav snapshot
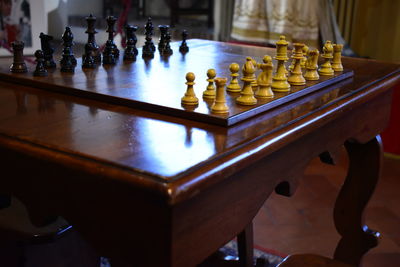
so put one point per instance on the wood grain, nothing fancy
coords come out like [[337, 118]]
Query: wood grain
[[157, 184], [158, 84]]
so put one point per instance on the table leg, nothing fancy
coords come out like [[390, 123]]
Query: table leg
[[5, 201], [245, 246], [364, 169]]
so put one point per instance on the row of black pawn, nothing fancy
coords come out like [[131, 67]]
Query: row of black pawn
[[92, 56]]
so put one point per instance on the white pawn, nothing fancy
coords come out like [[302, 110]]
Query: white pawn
[[234, 86], [209, 93], [190, 97]]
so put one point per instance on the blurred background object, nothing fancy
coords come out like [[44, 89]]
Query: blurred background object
[[370, 28]]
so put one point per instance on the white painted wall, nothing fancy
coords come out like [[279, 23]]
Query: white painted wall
[[57, 16], [58, 11], [160, 8], [85, 7], [157, 8]]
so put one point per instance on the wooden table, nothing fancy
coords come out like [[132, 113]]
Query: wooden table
[[137, 184]]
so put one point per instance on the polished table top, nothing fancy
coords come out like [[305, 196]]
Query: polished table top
[[155, 156], [158, 84]]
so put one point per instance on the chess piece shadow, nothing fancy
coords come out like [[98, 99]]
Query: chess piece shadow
[[46, 105], [209, 103], [147, 65], [189, 107], [90, 75], [183, 57], [110, 77], [21, 99], [165, 59]]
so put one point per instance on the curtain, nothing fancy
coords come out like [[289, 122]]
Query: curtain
[[375, 30], [223, 16], [263, 21], [329, 28]]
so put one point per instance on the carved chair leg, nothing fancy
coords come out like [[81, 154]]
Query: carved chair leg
[[363, 174], [245, 246]]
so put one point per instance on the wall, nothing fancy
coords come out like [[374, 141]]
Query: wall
[[76, 7], [375, 29], [157, 8], [58, 11], [57, 16]]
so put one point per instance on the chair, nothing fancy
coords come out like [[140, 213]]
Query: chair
[[17, 231]]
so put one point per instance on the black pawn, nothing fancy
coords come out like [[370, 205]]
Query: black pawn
[[110, 29], [149, 47], [40, 67], [183, 48], [163, 34], [167, 49], [91, 31], [18, 65], [131, 40], [48, 50], [108, 55], [89, 61], [68, 61]]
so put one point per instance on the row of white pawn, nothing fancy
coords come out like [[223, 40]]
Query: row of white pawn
[[263, 86]]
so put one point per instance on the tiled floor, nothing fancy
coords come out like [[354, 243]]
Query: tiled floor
[[303, 223]]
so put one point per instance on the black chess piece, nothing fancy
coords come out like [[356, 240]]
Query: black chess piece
[[110, 29], [150, 28], [108, 55], [88, 61], [167, 49], [163, 32], [68, 61], [40, 69], [91, 31], [47, 50], [18, 65], [149, 47], [183, 48], [131, 40]]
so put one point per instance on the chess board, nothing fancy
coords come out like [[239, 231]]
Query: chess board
[[158, 84]]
